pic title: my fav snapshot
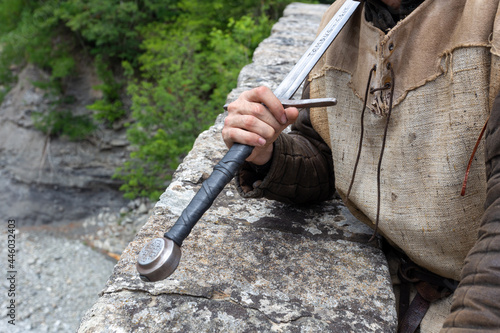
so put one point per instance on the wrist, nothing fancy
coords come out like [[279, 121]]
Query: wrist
[[261, 169], [261, 156]]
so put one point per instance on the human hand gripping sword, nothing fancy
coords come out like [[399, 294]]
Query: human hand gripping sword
[[160, 257]]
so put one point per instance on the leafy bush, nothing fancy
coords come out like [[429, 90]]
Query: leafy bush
[[64, 123], [185, 76], [110, 108]]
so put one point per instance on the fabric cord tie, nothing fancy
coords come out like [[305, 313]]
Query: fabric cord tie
[[466, 177], [374, 68], [379, 167]]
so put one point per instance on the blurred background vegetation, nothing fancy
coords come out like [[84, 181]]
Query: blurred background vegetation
[[166, 67]]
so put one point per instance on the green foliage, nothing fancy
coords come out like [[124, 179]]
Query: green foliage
[[58, 121], [186, 74], [174, 61], [64, 123], [33, 35], [9, 12], [110, 108], [144, 171], [110, 27]]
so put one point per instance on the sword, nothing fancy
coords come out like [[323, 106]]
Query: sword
[[160, 257]]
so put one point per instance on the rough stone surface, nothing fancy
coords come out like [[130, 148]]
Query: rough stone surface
[[253, 265]]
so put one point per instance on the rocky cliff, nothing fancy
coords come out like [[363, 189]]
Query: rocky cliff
[[253, 265], [43, 179]]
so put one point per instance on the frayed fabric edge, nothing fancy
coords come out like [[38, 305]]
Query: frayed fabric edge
[[447, 56]]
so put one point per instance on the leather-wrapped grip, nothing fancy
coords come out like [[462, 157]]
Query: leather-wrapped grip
[[223, 172]]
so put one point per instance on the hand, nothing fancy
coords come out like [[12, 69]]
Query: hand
[[256, 118]]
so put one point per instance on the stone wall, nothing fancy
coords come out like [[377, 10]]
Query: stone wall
[[253, 265]]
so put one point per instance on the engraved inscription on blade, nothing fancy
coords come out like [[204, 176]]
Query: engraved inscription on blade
[[299, 72], [151, 251]]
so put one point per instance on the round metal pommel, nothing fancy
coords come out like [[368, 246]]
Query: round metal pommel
[[158, 259]]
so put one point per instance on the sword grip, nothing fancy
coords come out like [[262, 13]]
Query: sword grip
[[223, 172]]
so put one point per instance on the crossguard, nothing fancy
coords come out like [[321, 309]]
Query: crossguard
[[304, 103]]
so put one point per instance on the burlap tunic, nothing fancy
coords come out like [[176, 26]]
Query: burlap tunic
[[445, 58], [446, 74]]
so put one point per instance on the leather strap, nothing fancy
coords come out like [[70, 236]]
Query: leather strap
[[430, 287], [414, 315]]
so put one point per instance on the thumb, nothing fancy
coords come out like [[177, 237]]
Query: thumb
[[291, 115]]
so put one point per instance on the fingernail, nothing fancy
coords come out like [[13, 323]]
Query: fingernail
[[261, 141], [284, 119]]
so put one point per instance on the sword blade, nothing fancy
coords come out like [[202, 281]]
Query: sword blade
[[299, 72]]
